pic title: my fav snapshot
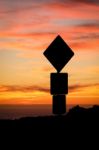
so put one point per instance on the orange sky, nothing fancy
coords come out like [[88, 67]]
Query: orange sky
[[26, 30]]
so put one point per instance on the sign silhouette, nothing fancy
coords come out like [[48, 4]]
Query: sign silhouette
[[59, 53], [59, 83]]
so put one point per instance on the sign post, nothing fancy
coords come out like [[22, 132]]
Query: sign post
[[58, 53]]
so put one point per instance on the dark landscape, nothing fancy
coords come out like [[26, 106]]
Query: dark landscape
[[77, 116], [79, 125]]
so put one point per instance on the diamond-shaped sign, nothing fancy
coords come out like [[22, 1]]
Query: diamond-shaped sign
[[58, 53]]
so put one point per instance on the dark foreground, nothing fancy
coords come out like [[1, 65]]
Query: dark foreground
[[77, 123], [76, 117]]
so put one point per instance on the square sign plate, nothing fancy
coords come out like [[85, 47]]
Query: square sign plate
[[59, 83]]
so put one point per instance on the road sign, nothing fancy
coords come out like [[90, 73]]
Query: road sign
[[59, 83], [58, 53]]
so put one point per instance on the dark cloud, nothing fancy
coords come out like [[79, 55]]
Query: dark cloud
[[16, 10], [81, 1], [88, 36], [91, 31], [15, 88], [90, 25], [87, 1], [13, 6], [80, 87]]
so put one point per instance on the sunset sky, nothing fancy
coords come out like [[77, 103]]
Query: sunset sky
[[27, 27]]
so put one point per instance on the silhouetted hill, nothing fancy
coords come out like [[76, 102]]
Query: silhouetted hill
[[78, 122], [75, 115]]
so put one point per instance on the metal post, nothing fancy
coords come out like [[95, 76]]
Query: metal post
[[59, 104]]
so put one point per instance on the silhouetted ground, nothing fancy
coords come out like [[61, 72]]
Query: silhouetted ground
[[83, 116], [79, 123]]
